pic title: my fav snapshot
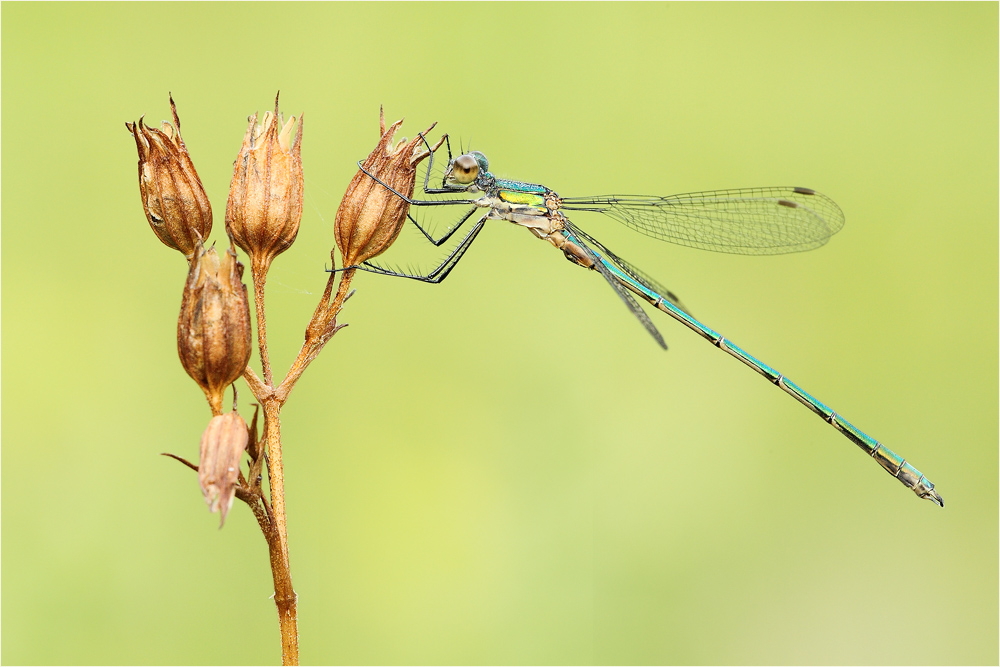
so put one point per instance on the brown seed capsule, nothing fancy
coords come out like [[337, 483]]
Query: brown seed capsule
[[265, 195], [370, 215], [213, 329], [222, 445], [175, 202]]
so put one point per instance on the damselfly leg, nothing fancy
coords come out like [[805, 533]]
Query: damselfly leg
[[438, 274], [441, 272]]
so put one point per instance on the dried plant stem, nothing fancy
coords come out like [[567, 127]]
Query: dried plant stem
[[284, 594], [272, 519], [321, 328], [259, 279]]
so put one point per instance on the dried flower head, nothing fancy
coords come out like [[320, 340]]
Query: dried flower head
[[175, 202], [213, 329], [265, 195], [371, 216], [222, 445]]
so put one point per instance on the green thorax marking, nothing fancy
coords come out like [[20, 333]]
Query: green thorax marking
[[518, 192], [527, 198]]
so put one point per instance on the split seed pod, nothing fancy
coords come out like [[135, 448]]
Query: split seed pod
[[173, 198], [371, 216], [265, 195], [213, 329]]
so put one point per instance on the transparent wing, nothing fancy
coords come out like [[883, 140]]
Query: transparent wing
[[748, 221], [631, 270], [623, 293]]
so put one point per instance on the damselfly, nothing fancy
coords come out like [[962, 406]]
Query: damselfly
[[752, 221]]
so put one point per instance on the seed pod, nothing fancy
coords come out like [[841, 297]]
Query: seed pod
[[371, 216], [222, 445], [213, 329], [175, 202], [265, 195]]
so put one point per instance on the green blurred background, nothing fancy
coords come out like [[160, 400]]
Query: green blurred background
[[505, 468]]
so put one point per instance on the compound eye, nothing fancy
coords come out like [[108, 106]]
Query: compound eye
[[464, 169]]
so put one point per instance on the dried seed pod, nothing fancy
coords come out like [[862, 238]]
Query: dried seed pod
[[213, 329], [265, 195], [175, 202], [371, 216], [222, 445]]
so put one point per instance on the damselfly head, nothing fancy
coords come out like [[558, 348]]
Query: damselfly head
[[466, 168], [463, 170]]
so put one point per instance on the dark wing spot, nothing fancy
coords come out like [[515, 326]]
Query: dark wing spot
[[803, 191], [789, 204]]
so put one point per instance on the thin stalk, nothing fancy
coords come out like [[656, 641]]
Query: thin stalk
[[259, 279], [284, 593], [321, 328], [274, 524], [276, 530]]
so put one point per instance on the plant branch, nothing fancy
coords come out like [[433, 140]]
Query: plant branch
[[321, 328], [272, 520], [259, 279], [257, 386], [284, 593]]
